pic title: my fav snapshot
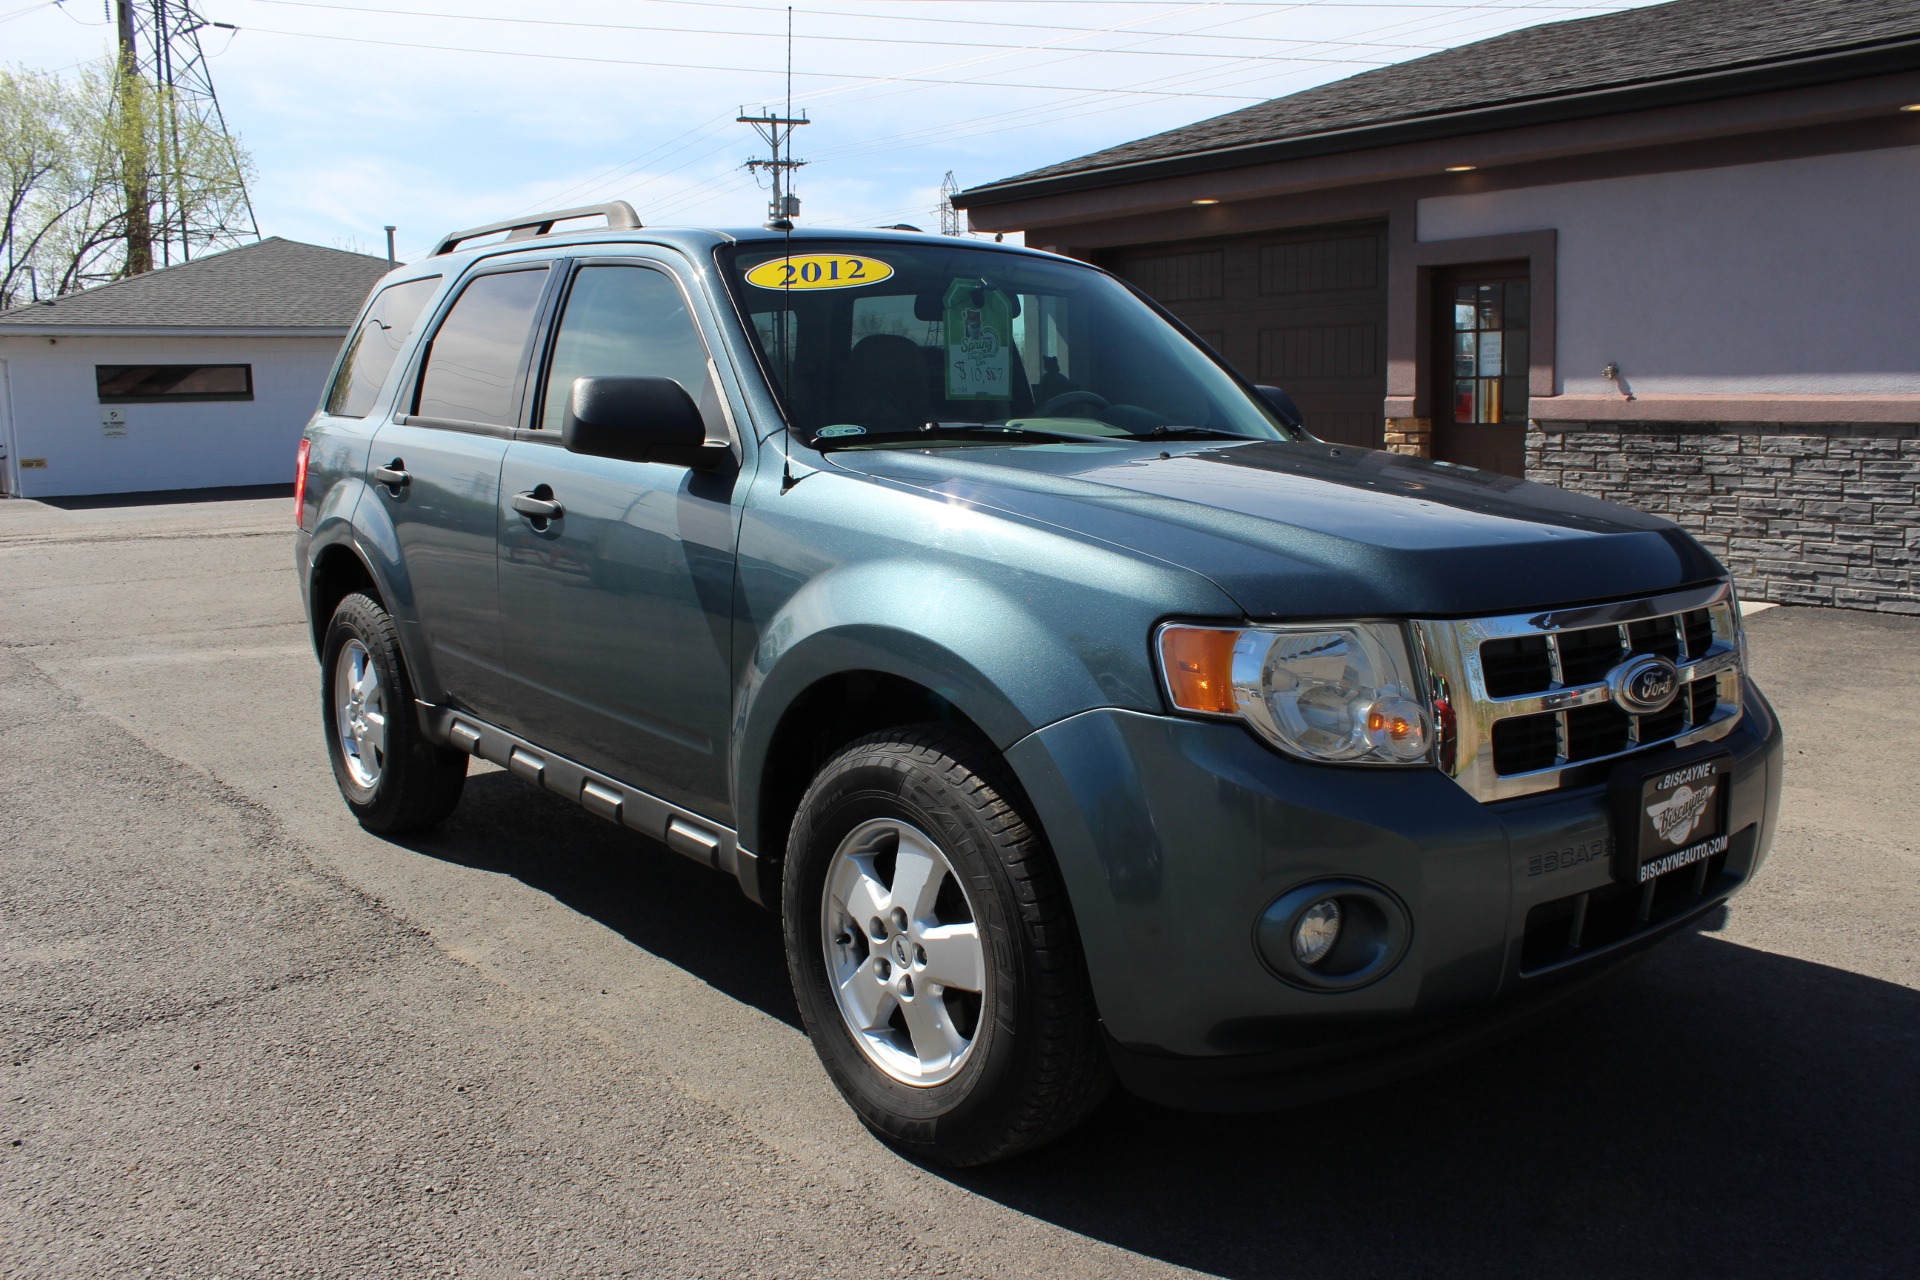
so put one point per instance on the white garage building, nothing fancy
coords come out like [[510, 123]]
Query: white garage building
[[192, 377]]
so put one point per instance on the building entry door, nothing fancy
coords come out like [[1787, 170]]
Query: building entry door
[[1479, 363]]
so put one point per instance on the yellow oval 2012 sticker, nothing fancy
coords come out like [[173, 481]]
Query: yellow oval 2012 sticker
[[819, 271]]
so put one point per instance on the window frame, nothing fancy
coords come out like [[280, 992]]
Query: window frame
[[207, 397], [416, 373], [555, 316], [380, 398]]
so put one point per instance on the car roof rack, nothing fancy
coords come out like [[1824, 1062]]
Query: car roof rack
[[619, 214]]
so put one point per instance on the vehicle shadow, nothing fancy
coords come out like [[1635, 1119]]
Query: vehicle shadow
[[658, 900], [1722, 1111]]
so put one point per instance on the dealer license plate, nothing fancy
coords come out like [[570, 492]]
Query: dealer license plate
[[1679, 818]]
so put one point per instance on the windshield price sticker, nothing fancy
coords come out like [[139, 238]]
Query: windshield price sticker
[[819, 271], [979, 325]]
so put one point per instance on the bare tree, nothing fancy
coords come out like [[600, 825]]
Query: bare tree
[[33, 155], [90, 167]]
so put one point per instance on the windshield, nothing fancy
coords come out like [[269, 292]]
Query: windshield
[[868, 342]]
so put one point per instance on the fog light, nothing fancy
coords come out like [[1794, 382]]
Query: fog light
[[1318, 930]]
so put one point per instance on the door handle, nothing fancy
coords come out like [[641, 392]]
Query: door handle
[[537, 508], [393, 475]]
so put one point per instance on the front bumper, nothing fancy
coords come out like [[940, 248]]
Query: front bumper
[[1174, 835]]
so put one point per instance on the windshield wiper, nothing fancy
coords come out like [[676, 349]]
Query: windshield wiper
[[1208, 433], [951, 429]]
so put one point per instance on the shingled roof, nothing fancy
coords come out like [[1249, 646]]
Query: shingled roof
[[274, 284], [1584, 57]]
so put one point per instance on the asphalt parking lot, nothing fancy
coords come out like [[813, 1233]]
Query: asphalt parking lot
[[244, 1037]]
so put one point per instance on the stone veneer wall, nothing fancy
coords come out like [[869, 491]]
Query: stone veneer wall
[[1802, 513]]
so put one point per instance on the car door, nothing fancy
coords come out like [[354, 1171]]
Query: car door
[[616, 614], [436, 469]]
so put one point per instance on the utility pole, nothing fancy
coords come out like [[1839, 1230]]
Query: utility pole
[[175, 90], [776, 131], [950, 216], [133, 174]]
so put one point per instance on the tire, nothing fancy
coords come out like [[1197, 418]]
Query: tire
[[391, 776], [948, 1074]]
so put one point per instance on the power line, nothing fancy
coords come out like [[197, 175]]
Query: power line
[[1043, 26], [1091, 102], [1261, 4], [866, 39], [706, 129], [1078, 102], [42, 4], [696, 66], [1087, 105]]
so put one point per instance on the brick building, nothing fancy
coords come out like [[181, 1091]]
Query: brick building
[[1667, 256]]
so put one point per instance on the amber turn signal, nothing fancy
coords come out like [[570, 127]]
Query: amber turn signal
[[1199, 666]]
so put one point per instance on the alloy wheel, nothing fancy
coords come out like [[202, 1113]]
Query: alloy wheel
[[360, 713], [903, 952]]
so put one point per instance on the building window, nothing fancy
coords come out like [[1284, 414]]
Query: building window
[[167, 383], [1490, 352]]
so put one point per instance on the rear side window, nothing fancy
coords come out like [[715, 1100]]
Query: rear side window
[[474, 365], [628, 322], [376, 344]]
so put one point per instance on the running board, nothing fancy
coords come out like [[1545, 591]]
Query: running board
[[681, 830]]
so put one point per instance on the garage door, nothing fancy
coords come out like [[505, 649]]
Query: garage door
[[1304, 309]]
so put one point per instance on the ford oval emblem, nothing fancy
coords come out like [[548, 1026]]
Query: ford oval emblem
[[1644, 684]]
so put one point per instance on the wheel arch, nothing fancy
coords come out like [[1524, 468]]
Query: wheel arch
[[355, 547], [337, 572], [806, 711]]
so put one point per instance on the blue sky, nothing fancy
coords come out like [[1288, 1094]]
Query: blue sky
[[435, 114]]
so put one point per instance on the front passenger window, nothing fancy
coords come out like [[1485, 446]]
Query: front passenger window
[[628, 322]]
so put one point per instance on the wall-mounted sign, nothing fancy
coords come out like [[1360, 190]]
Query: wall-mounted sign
[[113, 422], [32, 464]]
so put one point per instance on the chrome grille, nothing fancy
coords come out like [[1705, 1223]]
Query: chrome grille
[[1523, 698]]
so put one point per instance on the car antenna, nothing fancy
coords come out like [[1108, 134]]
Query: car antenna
[[783, 223]]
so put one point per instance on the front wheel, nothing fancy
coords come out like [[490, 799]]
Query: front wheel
[[392, 777], [933, 955]]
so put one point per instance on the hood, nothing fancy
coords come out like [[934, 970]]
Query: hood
[[1317, 530]]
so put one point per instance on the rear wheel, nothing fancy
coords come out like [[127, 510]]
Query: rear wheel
[[391, 776], [932, 952]]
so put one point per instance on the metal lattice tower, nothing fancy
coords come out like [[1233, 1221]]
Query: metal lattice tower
[[160, 44], [950, 222]]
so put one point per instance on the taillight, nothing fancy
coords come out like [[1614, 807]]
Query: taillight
[[300, 483]]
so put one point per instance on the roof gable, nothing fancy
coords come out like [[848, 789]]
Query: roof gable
[[272, 284], [1555, 59]]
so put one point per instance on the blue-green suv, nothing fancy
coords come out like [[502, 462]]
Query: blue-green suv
[[1081, 715]]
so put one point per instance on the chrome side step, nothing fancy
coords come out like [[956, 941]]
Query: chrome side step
[[681, 830]]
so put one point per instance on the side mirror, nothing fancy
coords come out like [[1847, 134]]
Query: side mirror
[[639, 420], [1283, 407]]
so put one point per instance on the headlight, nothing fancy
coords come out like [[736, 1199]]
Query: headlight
[[1331, 691]]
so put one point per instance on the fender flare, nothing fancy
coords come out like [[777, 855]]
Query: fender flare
[[849, 649], [365, 532]]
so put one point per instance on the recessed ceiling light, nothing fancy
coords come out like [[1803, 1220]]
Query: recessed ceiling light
[[1206, 200], [1462, 168]]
